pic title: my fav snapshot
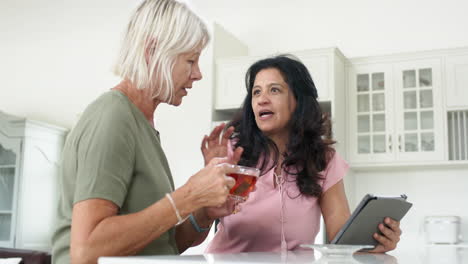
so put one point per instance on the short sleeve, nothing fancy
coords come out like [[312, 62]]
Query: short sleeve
[[105, 157], [336, 170]]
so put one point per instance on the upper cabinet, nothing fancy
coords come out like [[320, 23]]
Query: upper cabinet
[[456, 68], [324, 65], [395, 112]]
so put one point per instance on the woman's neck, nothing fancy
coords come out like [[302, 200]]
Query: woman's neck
[[280, 142], [141, 98]]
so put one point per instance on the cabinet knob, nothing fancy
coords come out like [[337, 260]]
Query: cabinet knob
[[390, 143], [399, 143]]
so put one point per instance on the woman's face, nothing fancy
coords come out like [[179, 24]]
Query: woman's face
[[186, 71], [273, 103]]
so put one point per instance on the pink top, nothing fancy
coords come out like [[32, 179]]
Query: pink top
[[257, 226]]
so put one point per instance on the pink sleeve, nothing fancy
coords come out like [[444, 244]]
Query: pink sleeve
[[335, 171]]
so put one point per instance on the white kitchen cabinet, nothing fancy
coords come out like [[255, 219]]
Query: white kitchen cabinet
[[327, 67], [230, 75], [395, 113], [230, 88], [456, 69], [29, 151]]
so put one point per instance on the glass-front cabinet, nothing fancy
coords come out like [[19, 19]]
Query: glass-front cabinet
[[419, 109], [370, 119], [394, 112], [9, 160], [29, 151]]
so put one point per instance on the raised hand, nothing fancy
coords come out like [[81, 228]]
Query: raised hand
[[216, 144]]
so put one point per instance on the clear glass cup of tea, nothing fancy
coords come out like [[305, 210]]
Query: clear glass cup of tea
[[245, 177]]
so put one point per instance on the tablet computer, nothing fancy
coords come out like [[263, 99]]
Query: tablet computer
[[371, 211]]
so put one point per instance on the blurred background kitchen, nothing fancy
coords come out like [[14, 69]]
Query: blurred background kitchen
[[392, 74]]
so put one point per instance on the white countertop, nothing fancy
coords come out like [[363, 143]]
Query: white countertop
[[424, 255]]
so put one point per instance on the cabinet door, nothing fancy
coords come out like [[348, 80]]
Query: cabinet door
[[370, 113], [419, 116], [320, 69], [9, 171], [230, 82], [456, 68]]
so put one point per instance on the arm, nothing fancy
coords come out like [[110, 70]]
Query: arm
[[214, 145], [335, 209], [97, 230]]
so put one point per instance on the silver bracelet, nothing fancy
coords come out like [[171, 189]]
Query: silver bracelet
[[181, 220]]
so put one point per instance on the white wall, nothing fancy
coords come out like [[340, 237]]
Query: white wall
[[358, 27]]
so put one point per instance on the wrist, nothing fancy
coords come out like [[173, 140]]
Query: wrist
[[199, 228], [184, 202]]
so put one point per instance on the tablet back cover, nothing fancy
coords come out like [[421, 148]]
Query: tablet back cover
[[360, 230]]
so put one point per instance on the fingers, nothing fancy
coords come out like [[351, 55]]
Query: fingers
[[218, 161], [237, 155], [390, 236], [227, 135], [204, 143], [230, 182], [213, 138]]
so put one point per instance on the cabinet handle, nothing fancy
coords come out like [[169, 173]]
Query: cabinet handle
[[390, 142], [399, 143]]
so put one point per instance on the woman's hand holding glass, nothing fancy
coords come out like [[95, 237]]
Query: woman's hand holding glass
[[210, 186]]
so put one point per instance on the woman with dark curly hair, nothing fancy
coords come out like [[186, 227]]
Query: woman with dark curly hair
[[283, 131]]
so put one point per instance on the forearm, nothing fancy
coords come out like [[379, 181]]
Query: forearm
[[187, 236], [129, 234]]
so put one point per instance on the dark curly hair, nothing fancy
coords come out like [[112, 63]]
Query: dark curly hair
[[308, 149]]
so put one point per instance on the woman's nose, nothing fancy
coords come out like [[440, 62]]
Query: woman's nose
[[196, 73]]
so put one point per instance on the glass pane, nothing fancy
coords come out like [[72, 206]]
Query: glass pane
[[411, 142], [411, 121], [363, 144], [425, 77], [409, 99], [5, 226], [363, 123], [363, 103], [379, 143], [378, 102], [7, 157], [427, 120], [425, 98], [427, 141], [409, 79], [363, 82], [378, 81], [7, 176], [378, 122]]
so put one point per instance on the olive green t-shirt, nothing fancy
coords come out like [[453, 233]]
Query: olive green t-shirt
[[112, 153]]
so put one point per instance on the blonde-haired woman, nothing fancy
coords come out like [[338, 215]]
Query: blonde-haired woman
[[117, 195]]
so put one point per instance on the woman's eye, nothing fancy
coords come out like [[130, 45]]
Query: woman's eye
[[255, 92], [274, 90], [191, 61]]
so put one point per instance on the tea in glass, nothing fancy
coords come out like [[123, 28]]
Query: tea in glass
[[246, 178]]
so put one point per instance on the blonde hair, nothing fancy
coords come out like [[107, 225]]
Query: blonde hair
[[158, 32]]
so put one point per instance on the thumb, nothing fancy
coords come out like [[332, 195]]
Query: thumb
[[237, 155]]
